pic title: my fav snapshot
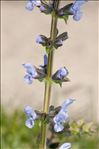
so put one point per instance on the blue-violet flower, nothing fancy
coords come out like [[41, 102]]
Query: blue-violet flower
[[31, 73], [61, 73], [40, 39], [75, 9], [31, 116], [32, 3], [44, 67], [65, 146], [45, 59], [62, 116]]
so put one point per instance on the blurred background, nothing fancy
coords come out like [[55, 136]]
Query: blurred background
[[19, 29], [79, 54]]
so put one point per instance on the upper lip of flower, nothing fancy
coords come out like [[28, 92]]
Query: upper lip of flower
[[36, 2], [30, 69], [62, 116]]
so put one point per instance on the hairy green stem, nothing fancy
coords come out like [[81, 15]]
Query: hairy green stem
[[47, 93]]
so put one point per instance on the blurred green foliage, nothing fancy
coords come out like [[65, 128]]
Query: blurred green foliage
[[15, 135]]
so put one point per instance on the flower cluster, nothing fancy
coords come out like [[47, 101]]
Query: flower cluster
[[33, 72], [62, 116], [44, 7], [71, 9], [59, 119], [47, 8], [46, 42]]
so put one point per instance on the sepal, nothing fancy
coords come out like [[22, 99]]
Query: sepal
[[45, 8], [60, 76], [59, 40], [61, 81], [53, 111], [40, 72], [62, 36], [64, 12]]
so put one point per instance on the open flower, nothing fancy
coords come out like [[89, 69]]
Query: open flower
[[31, 116], [60, 74], [65, 146], [66, 103], [32, 3], [75, 9], [62, 116], [40, 39], [59, 120], [31, 73]]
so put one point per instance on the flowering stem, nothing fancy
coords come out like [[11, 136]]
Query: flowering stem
[[47, 93]]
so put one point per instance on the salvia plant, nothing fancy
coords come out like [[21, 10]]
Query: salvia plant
[[54, 120]]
